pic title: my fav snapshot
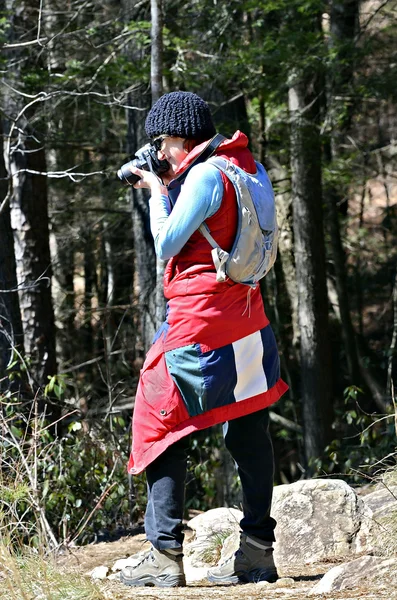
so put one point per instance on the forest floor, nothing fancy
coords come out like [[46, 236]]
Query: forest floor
[[296, 583]]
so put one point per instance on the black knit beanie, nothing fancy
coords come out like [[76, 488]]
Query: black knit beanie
[[180, 114]]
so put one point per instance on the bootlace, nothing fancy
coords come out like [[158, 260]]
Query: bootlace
[[145, 557]]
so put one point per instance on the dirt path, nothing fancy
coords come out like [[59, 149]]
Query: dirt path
[[296, 582]]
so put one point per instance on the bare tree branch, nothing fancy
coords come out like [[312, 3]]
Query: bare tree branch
[[28, 286], [24, 44], [44, 96], [62, 174]]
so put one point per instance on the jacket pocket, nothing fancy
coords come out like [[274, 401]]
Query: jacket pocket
[[159, 406]]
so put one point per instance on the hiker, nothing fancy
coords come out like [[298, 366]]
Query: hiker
[[214, 359]]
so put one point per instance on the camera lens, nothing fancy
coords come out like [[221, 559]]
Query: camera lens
[[146, 159], [125, 175]]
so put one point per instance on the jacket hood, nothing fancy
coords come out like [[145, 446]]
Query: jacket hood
[[239, 141]]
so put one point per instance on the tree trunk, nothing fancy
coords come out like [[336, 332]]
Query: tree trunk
[[60, 191], [144, 287], [289, 301], [262, 129], [310, 264], [89, 290], [10, 318], [145, 259], [66, 309], [343, 29], [29, 221], [344, 24], [156, 84], [156, 64], [339, 265], [24, 152]]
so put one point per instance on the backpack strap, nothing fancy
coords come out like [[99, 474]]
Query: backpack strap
[[219, 256], [175, 185], [254, 249], [221, 164]]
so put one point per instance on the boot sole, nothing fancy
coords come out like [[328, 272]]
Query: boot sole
[[163, 581], [246, 577]]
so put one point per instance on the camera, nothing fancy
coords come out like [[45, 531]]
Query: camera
[[146, 159]]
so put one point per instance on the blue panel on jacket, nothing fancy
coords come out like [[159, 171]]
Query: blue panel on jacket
[[208, 380], [219, 371], [205, 380], [271, 360]]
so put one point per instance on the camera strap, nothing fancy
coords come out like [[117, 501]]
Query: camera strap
[[175, 185]]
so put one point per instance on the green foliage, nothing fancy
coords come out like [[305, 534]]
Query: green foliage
[[4, 27], [365, 447], [57, 385], [140, 31], [79, 481], [84, 474], [12, 492]]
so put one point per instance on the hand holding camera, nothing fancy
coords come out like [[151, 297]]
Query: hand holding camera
[[146, 160]]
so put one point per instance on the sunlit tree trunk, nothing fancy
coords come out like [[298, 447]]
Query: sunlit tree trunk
[[25, 160], [156, 63], [10, 318], [29, 221]]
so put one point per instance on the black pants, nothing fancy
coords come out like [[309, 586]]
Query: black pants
[[248, 441]]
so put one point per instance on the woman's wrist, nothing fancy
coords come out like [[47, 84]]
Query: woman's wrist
[[159, 189]]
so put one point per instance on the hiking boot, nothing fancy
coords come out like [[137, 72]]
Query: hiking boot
[[161, 568], [252, 562]]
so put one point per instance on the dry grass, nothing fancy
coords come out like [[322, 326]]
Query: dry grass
[[28, 576], [212, 553], [386, 542], [390, 477]]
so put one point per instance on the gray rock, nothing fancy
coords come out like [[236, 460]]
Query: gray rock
[[286, 582], [131, 561], [383, 500], [230, 545], [210, 530], [383, 503], [193, 573], [319, 519], [354, 574], [217, 520], [99, 572]]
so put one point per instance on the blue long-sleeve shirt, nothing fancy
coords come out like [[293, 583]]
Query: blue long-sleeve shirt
[[200, 198]]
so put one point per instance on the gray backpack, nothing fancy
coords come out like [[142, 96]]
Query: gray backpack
[[255, 248]]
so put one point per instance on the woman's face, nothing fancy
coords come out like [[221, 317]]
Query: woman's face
[[172, 149]]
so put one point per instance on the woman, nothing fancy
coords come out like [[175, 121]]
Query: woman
[[213, 361]]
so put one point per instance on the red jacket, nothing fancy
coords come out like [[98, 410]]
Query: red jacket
[[215, 358]]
